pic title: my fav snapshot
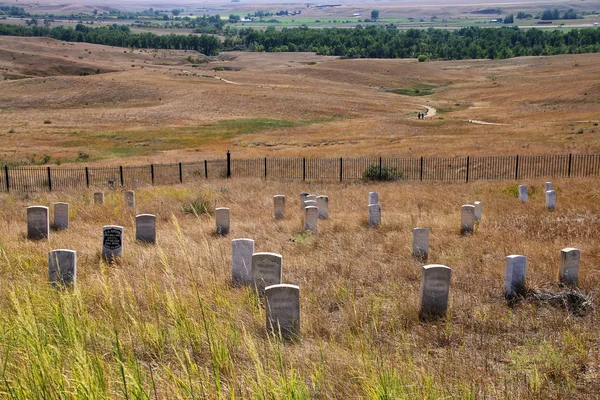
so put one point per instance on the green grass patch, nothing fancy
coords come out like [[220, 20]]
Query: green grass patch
[[415, 90]]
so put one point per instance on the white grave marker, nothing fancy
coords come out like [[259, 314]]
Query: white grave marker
[[551, 200], [266, 270], [145, 228], [61, 215], [435, 287], [241, 260], [323, 205], [112, 242], [478, 210], [62, 267], [569, 266], [373, 198], [283, 310], [303, 196], [523, 196], [311, 218], [420, 243], [514, 279], [548, 186], [222, 220], [38, 224], [374, 215], [135, 184], [310, 203], [279, 203], [467, 219]]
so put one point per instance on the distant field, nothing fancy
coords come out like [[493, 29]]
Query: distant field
[[107, 105]]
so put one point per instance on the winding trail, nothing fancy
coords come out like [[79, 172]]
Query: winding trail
[[474, 121], [430, 111]]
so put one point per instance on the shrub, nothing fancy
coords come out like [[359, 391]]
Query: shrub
[[422, 58], [200, 205], [47, 122], [387, 174], [83, 156]]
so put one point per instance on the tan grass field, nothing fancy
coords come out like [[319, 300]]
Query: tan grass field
[[155, 106], [165, 323]]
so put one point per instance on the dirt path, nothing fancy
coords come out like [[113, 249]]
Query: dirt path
[[474, 121], [430, 111]]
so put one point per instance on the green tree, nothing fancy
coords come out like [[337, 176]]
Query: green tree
[[510, 19], [175, 11], [570, 14], [375, 15], [549, 15]]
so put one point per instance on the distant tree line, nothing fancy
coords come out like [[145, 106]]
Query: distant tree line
[[13, 11], [369, 42], [119, 35]]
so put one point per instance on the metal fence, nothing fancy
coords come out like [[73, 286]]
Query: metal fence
[[30, 179]]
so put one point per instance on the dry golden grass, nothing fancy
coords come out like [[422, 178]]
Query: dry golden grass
[[334, 107], [165, 322]]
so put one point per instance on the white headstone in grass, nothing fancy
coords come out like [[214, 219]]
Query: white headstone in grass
[[283, 310], [569, 266], [112, 242], [145, 228], [311, 197], [38, 224], [467, 219], [420, 243], [62, 267], [303, 196], [279, 204], [435, 288], [478, 210], [548, 186], [311, 218], [374, 215], [222, 220], [130, 198], [266, 270], [523, 196], [323, 205], [514, 279], [310, 203], [373, 198], [99, 198], [551, 200], [241, 260], [61, 215], [135, 184]]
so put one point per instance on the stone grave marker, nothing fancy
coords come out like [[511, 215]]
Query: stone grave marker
[[435, 287], [145, 228], [373, 198], [467, 219], [323, 205], [310, 203], [135, 184], [478, 210], [311, 218], [222, 220], [99, 198], [283, 310], [523, 196], [112, 242], [241, 260], [514, 279], [551, 200], [569, 266], [38, 224], [279, 203], [548, 186], [130, 198], [266, 270], [303, 196], [311, 197], [420, 243], [62, 267], [374, 215], [61, 215]]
